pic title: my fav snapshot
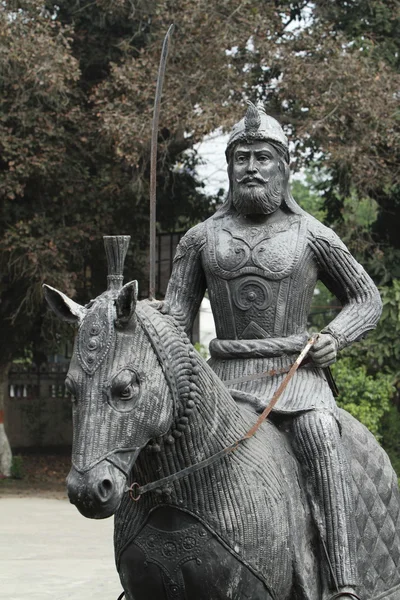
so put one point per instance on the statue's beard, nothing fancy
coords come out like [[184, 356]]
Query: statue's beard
[[264, 199]]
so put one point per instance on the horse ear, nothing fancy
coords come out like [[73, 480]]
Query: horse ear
[[126, 302], [65, 308]]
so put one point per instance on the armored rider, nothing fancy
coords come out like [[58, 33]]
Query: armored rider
[[260, 257]]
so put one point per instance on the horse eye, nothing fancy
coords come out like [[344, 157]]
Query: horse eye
[[124, 390], [127, 393]]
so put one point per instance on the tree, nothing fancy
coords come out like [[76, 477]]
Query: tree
[[38, 120], [61, 183], [366, 171], [366, 397]]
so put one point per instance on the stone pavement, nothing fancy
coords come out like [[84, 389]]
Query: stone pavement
[[49, 551]]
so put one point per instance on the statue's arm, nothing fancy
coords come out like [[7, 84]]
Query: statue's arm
[[352, 286], [187, 284]]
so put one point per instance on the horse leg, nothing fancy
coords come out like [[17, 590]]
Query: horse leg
[[174, 557]]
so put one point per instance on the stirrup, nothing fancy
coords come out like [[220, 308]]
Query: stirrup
[[341, 594]]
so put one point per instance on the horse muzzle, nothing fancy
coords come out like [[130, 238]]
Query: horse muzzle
[[97, 492]]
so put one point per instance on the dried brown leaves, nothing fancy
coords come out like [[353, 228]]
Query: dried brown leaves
[[335, 97], [348, 105]]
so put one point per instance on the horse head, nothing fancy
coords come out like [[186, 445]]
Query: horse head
[[117, 384]]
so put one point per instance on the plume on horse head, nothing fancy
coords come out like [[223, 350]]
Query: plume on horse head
[[124, 298]]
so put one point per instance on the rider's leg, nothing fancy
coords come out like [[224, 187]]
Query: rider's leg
[[317, 443]]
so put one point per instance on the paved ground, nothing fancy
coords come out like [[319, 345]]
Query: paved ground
[[49, 551]]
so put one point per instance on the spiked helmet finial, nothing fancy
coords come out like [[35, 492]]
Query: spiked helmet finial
[[252, 119], [257, 126]]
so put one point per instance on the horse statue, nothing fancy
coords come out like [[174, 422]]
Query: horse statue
[[151, 424]]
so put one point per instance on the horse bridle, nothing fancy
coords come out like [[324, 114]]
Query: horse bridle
[[135, 490]]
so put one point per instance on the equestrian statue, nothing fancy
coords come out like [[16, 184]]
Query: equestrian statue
[[304, 505]]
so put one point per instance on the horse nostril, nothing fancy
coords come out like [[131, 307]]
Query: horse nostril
[[105, 489]]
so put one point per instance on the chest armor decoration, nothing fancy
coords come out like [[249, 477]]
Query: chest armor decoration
[[250, 268], [270, 251]]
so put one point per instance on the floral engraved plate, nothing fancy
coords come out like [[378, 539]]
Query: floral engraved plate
[[95, 337], [171, 550]]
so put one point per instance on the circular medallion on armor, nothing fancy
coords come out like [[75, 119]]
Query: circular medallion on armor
[[95, 329], [189, 543], [92, 344], [174, 589], [169, 549], [151, 541], [252, 292]]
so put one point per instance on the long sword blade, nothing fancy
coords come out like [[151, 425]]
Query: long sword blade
[[153, 162]]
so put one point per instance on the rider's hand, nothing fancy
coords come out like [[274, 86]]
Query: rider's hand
[[324, 351], [160, 305]]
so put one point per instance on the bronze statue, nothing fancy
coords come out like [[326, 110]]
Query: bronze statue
[[305, 508], [259, 257]]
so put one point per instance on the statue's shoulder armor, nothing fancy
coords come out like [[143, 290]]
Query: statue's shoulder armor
[[193, 240], [320, 235]]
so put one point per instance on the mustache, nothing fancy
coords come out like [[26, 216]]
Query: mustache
[[251, 178]]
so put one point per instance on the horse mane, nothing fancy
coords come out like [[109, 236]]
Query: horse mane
[[183, 366]]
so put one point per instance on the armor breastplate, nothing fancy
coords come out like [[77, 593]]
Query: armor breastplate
[[269, 251], [249, 270]]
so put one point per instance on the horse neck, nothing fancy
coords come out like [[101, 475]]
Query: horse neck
[[207, 418], [216, 421]]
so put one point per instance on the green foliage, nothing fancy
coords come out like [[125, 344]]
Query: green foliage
[[324, 308], [202, 350], [366, 397], [17, 467], [387, 334], [308, 197], [380, 350], [359, 213], [390, 428]]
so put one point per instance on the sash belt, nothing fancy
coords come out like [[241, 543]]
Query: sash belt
[[264, 348]]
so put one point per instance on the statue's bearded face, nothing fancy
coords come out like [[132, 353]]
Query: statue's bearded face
[[257, 180]]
